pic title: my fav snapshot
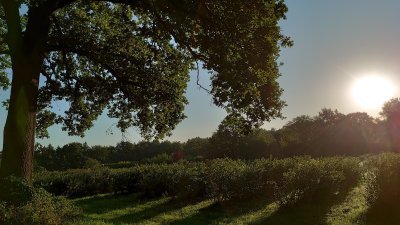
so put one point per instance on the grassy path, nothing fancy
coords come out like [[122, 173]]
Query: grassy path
[[131, 209]]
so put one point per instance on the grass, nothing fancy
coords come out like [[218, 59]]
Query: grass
[[352, 210], [341, 209]]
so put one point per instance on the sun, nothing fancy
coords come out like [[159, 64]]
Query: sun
[[372, 91]]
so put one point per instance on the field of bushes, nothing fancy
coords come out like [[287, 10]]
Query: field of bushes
[[369, 184], [220, 179]]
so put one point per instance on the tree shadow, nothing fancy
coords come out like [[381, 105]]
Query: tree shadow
[[223, 212], [312, 210], [165, 207], [104, 203], [384, 213], [131, 209], [204, 216]]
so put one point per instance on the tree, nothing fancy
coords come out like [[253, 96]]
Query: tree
[[100, 153], [72, 156], [132, 58], [356, 134], [226, 140], [298, 134], [329, 117], [391, 115], [46, 157], [195, 147], [259, 143]]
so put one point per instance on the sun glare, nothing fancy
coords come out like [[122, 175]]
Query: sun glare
[[373, 91]]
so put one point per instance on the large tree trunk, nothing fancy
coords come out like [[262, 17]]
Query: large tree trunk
[[27, 55], [19, 130]]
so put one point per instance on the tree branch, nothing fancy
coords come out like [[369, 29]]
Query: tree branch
[[64, 54], [13, 21], [198, 79], [3, 37], [50, 6], [47, 75], [5, 52], [80, 52], [170, 29], [57, 24]]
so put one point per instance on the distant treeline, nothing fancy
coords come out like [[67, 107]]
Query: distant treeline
[[330, 133]]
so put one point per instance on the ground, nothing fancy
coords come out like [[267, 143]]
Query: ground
[[342, 209]]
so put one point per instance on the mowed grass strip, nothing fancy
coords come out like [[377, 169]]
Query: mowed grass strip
[[132, 209]]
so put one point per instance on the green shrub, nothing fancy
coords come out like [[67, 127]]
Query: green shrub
[[383, 179], [120, 165], [184, 179], [78, 182], [310, 177], [235, 179], [40, 209], [161, 158], [92, 164], [15, 190], [125, 180], [285, 180]]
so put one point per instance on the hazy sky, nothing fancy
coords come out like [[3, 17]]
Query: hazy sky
[[335, 42]]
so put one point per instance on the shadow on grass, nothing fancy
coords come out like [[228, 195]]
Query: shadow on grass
[[312, 210], [130, 209], [204, 216], [231, 212], [384, 214], [166, 207], [104, 203], [309, 211]]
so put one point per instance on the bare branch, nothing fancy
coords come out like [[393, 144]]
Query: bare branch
[[198, 79]]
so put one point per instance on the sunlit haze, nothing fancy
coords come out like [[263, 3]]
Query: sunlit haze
[[372, 91]]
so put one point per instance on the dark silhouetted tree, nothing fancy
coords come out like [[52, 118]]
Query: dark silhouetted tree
[[391, 116], [195, 147], [226, 140]]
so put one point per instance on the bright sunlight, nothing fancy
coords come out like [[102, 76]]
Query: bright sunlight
[[373, 91]]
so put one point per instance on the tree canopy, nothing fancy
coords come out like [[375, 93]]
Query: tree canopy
[[133, 58]]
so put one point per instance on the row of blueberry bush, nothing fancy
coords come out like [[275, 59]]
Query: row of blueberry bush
[[286, 180], [383, 179]]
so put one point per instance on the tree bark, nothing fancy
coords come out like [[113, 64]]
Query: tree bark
[[19, 130]]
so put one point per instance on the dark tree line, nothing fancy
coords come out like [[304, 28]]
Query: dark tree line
[[78, 155], [329, 133]]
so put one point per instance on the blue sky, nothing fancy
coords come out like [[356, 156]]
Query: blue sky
[[335, 43]]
